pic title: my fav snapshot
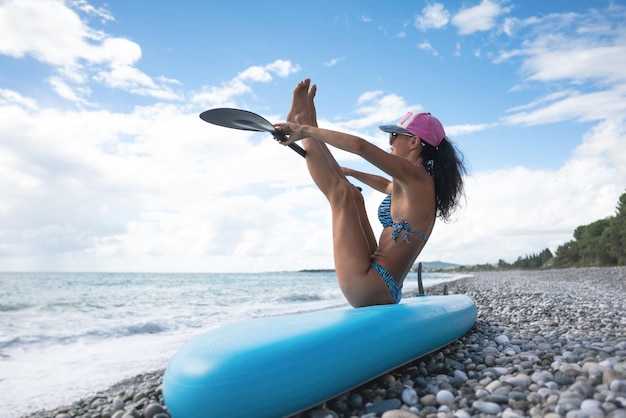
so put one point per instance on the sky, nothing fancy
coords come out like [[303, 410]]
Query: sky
[[106, 166]]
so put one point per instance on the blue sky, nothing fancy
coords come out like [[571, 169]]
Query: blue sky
[[105, 165]]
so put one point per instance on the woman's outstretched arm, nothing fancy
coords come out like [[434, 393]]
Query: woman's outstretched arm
[[396, 167], [372, 180]]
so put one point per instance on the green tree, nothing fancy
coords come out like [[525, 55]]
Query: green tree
[[601, 243], [545, 256], [614, 237], [567, 255], [590, 245]]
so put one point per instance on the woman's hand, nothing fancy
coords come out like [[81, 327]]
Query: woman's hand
[[292, 131]]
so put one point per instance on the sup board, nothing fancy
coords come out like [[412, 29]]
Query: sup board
[[278, 366]]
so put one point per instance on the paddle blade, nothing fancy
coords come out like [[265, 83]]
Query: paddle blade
[[246, 121], [237, 119]]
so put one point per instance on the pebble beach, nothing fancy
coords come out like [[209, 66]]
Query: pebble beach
[[546, 344]]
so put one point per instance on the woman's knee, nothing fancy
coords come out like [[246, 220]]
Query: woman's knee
[[357, 195], [344, 193]]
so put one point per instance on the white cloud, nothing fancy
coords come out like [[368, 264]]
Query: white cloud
[[456, 130], [47, 30], [428, 47], [282, 68], [573, 105], [101, 12], [377, 108], [433, 16], [61, 88], [521, 211], [255, 74], [85, 188], [508, 26], [8, 97], [478, 18], [53, 33], [584, 54], [573, 47], [334, 61], [512, 212], [213, 96], [556, 57]]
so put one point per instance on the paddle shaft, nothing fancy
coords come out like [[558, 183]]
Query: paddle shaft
[[281, 137], [298, 149]]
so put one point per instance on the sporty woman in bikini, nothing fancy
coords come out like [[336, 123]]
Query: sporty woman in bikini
[[426, 183]]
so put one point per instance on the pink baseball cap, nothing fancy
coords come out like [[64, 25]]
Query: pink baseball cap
[[424, 125]]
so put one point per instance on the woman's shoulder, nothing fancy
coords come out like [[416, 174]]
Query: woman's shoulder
[[416, 178]]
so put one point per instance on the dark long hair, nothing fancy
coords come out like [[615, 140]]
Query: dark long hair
[[445, 165]]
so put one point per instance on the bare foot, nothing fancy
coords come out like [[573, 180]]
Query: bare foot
[[312, 111], [299, 112]]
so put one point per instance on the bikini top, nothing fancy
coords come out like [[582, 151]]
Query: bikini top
[[384, 216]]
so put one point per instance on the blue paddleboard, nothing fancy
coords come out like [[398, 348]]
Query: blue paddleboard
[[278, 366]]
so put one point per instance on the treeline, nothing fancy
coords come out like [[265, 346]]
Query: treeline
[[533, 261], [599, 244]]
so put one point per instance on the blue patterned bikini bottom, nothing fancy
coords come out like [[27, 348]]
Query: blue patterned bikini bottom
[[394, 289]]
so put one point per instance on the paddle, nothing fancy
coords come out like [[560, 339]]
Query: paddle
[[246, 121]]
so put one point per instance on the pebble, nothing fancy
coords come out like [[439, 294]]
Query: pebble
[[399, 413], [521, 381], [493, 386], [428, 400], [355, 400], [383, 406], [323, 413], [152, 410], [547, 343], [487, 407], [461, 413], [445, 397], [409, 396]]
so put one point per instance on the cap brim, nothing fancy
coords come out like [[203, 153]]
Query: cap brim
[[394, 129]]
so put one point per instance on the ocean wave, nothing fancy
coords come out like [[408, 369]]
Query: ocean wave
[[145, 328], [300, 297], [117, 332], [141, 328], [13, 307], [10, 343]]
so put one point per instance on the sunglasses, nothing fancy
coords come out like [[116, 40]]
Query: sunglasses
[[394, 135]]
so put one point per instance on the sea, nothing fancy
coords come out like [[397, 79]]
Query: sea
[[64, 336]]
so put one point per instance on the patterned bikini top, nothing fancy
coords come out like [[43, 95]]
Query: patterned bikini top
[[384, 216]]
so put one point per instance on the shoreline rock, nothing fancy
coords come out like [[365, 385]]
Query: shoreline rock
[[546, 343]]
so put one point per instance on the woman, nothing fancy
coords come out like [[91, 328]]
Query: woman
[[426, 182]]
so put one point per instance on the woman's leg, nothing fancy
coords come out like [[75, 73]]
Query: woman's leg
[[353, 239], [303, 112], [324, 169]]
